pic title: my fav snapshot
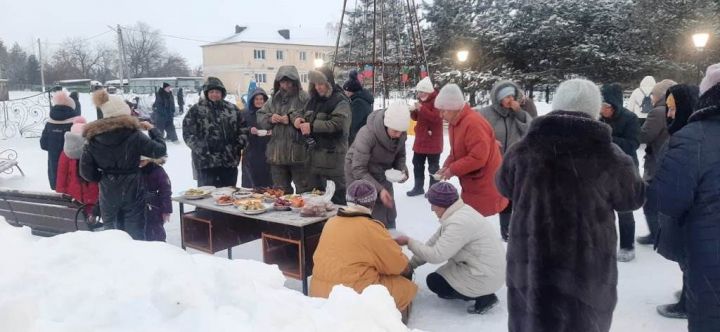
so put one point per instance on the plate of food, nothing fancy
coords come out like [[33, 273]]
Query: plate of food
[[250, 206], [314, 193], [195, 193], [394, 175], [282, 204], [224, 200]]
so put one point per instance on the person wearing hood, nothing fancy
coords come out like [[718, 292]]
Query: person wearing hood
[[474, 258], [567, 179], [158, 194], [428, 144], [215, 132], [475, 156], [681, 100], [255, 169], [76, 98], [111, 157], [654, 134], [164, 111], [357, 251], [181, 100], [510, 122], [286, 152], [687, 192], [361, 104], [325, 125], [640, 102], [380, 146], [625, 131], [62, 115], [69, 180]]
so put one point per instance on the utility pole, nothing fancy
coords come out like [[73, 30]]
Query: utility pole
[[122, 58], [42, 66]]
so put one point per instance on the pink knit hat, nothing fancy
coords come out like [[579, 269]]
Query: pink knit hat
[[712, 77], [62, 98], [78, 125]]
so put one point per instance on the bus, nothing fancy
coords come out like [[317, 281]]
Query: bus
[[150, 85]]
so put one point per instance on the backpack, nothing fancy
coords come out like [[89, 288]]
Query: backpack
[[646, 105]]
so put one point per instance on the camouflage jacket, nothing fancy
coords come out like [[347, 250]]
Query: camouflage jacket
[[287, 146], [216, 134]]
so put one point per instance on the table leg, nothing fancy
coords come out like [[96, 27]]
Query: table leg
[[230, 253], [303, 261], [182, 229]]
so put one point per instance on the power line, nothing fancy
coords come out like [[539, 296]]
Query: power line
[[171, 36]]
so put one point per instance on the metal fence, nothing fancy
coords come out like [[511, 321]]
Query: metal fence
[[25, 116]]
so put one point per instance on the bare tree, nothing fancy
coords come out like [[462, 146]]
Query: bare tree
[[144, 49], [173, 65]]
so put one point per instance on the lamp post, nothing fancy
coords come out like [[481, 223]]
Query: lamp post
[[700, 41], [462, 56]]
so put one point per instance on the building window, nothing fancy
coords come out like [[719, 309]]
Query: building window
[[261, 78], [259, 54], [319, 55], [303, 56], [279, 55], [304, 78]]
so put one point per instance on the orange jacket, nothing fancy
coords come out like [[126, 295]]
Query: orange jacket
[[357, 252], [474, 158]]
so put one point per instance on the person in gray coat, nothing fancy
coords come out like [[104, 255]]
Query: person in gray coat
[[380, 146], [654, 133], [510, 121], [474, 259]]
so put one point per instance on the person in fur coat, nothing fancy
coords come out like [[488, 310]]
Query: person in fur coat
[[158, 192], [62, 115], [69, 180], [566, 179]]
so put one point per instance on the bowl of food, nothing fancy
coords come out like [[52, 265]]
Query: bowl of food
[[195, 193], [281, 204], [314, 193], [224, 200], [394, 175]]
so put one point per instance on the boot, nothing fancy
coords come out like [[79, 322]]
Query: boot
[[672, 311], [405, 314], [625, 255], [483, 304], [418, 188], [647, 239]]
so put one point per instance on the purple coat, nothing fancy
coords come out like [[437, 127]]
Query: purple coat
[[157, 200]]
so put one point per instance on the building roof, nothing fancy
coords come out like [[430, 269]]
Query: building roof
[[268, 34]]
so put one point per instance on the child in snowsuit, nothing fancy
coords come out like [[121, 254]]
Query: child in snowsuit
[[158, 191]]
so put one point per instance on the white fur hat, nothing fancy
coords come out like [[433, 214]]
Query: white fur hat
[[450, 98], [425, 85], [712, 77], [578, 95], [397, 116], [110, 106]]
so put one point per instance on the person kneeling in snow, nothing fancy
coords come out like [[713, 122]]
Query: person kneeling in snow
[[357, 251], [158, 192], [475, 257]]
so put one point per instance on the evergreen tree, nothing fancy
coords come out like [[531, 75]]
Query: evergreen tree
[[16, 65], [32, 71]]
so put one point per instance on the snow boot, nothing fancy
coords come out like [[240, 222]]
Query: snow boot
[[432, 181], [405, 314], [625, 255], [418, 188], [483, 304], [647, 239], [672, 311]]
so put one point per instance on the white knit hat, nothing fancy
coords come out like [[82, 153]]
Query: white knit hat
[[712, 77], [450, 98], [425, 85], [110, 106], [578, 95], [397, 116]]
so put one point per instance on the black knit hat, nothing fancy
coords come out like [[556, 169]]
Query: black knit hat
[[166, 84], [353, 83]]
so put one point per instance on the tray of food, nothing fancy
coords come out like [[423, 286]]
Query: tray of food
[[195, 193]]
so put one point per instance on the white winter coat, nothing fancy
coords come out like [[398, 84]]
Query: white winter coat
[[634, 104], [473, 251]]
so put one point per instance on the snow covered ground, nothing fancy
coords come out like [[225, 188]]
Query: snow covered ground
[[644, 283]]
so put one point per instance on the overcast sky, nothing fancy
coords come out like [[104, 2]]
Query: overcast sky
[[205, 20]]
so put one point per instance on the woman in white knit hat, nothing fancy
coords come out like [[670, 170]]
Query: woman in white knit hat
[[378, 147], [428, 143]]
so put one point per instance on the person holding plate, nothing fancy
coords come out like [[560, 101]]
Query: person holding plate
[[378, 156]]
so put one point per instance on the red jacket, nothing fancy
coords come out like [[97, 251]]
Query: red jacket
[[69, 182], [428, 121], [474, 158]]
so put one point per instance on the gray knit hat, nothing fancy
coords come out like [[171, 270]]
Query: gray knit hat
[[442, 194], [361, 192]]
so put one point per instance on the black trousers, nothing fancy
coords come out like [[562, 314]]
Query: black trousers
[[651, 214], [505, 216], [164, 123], [626, 222], [217, 177], [438, 285], [418, 161]]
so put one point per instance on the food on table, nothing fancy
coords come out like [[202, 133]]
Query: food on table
[[316, 191], [313, 211], [249, 204], [224, 200], [195, 192], [297, 202]]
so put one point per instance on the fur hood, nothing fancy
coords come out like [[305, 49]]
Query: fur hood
[[496, 102], [73, 146], [101, 126], [568, 133], [708, 105]]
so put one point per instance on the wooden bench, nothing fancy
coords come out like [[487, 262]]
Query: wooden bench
[[46, 213], [8, 161]]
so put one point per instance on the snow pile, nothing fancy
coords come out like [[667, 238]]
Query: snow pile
[[105, 281]]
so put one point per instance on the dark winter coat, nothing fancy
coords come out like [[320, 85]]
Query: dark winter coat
[[286, 146], [76, 98], [687, 190], [214, 131], [164, 106], [429, 127], [329, 119], [69, 180], [509, 126], [371, 155], [686, 98], [361, 105], [625, 125], [158, 192], [112, 157], [180, 97], [255, 169], [53, 137], [654, 133], [566, 180]]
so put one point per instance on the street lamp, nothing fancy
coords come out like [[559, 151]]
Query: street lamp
[[462, 55], [319, 62], [700, 41]]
